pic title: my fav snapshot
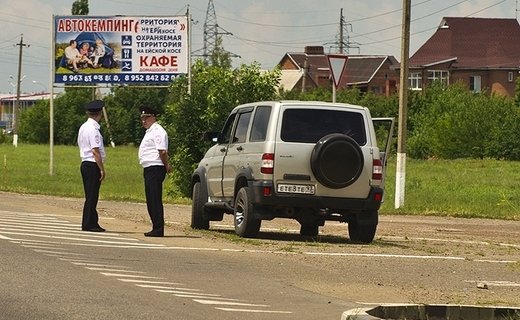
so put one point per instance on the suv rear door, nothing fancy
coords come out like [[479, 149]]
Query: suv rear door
[[384, 128]]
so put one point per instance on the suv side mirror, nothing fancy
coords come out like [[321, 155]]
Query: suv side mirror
[[213, 136]]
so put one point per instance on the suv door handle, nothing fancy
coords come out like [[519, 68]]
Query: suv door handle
[[239, 148], [223, 150]]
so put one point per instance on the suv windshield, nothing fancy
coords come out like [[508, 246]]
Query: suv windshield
[[310, 125]]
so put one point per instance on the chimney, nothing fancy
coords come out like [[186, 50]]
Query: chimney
[[314, 50]]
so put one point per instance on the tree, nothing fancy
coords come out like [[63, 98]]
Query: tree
[[215, 91], [80, 8], [123, 111]]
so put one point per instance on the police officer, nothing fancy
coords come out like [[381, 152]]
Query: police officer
[[153, 157], [92, 153]]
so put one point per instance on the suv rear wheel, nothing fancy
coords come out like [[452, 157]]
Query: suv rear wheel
[[361, 233], [309, 229], [246, 225], [337, 161], [198, 217]]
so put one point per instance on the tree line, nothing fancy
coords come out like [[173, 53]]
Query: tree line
[[443, 122]]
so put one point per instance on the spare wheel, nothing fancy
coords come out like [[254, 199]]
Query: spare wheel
[[337, 161]]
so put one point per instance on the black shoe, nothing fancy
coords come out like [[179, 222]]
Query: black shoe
[[95, 229], [154, 234]]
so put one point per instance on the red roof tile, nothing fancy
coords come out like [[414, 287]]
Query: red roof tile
[[475, 42]]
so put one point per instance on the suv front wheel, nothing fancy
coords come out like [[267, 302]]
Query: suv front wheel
[[198, 216], [246, 225]]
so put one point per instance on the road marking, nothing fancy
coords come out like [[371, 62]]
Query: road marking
[[112, 270], [200, 296], [42, 247], [215, 302], [253, 311], [109, 274], [85, 239], [164, 289], [69, 232], [57, 253], [76, 260], [84, 264], [151, 282], [408, 239], [496, 283]]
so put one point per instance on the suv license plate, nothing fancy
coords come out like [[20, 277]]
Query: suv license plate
[[296, 188]]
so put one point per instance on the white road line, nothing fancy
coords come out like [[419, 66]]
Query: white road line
[[197, 296], [84, 239], [496, 283], [57, 253], [509, 245], [496, 261], [76, 260], [42, 247], [112, 270], [187, 292], [151, 282], [254, 311], [381, 255], [215, 302], [192, 294], [67, 232], [37, 222], [84, 264], [408, 239], [164, 288], [109, 274]]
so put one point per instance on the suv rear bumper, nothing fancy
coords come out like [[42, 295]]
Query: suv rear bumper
[[339, 204]]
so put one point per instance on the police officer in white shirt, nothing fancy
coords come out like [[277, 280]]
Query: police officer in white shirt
[[153, 157], [92, 153]]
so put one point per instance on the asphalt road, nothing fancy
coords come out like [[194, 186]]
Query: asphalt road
[[51, 270]]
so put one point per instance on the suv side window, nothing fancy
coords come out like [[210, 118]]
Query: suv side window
[[260, 123], [226, 131], [242, 126], [299, 125]]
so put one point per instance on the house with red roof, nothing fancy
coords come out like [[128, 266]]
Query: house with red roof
[[310, 69], [482, 53]]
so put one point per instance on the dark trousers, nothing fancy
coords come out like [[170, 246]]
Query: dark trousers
[[90, 174], [153, 184]]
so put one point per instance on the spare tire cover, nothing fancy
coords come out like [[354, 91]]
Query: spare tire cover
[[337, 161]]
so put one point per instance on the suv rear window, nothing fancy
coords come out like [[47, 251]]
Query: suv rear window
[[310, 125]]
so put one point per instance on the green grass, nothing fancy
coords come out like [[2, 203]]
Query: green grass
[[461, 188], [25, 169]]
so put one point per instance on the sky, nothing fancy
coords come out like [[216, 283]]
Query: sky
[[258, 31]]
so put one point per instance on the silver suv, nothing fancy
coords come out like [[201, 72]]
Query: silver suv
[[309, 161]]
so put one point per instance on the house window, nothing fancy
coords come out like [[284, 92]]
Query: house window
[[415, 81], [510, 77], [475, 84], [441, 75]]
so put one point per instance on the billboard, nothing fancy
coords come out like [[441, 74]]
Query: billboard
[[120, 49]]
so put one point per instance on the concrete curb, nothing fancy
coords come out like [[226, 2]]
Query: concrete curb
[[432, 311]]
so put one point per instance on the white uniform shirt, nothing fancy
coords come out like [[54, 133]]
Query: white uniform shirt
[[154, 139], [89, 137]]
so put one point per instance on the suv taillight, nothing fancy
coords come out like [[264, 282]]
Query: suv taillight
[[267, 163], [377, 169]]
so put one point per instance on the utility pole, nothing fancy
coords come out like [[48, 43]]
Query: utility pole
[[18, 83], [403, 102], [341, 22]]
